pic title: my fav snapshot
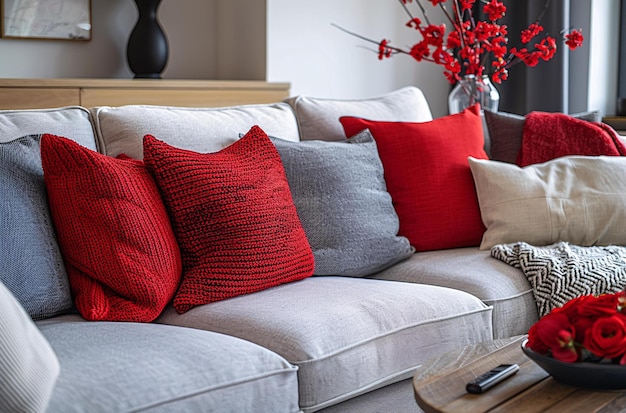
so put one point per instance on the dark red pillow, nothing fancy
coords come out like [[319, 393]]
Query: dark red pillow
[[115, 236], [429, 178], [234, 218]]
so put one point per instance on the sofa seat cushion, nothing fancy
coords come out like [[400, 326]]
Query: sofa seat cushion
[[347, 335], [130, 367], [476, 272], [122, 129], [28, 366]]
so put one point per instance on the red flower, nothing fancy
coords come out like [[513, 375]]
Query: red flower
[[607, 337], [584, 325], [473, 46], [454, 40], [383, 50], [555, 333], [530, 33], [500, 75], [601, 306], [434, 34], [495, 10], [574, 39], [467, 4], [414, 23], [546, 48], [420, 50]]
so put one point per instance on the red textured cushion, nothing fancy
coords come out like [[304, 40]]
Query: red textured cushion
[[233, 216], [429, 178], [119, 249]]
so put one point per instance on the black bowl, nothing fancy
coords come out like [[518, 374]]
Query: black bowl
[[599, 376]]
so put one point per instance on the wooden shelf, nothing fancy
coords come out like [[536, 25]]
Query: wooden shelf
[[46, 93]]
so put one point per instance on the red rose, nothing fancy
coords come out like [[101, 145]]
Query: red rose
[[556, 333], [603, 305], [583, 311], [607, 337]]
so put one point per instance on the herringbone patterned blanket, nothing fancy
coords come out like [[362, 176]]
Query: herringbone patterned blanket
[[560, 272]]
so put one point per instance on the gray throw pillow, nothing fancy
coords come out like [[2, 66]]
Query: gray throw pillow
[[507, 129], [342, 201], [28, 365], [31, 265]]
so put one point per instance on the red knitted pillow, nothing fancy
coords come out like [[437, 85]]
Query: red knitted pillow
[[429, 178], [119, 249], [233, 216]]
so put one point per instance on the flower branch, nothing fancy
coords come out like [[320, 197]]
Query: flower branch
[[474, 47]]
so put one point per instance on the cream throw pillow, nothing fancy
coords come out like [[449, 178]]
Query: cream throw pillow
[[575, 199]]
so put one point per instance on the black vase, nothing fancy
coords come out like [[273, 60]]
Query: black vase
[[147, 50]]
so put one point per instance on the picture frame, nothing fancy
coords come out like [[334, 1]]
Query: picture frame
[[46, 19]]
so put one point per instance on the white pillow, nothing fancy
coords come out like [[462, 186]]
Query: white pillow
[[318, 119], [28, 366], [575, 199]]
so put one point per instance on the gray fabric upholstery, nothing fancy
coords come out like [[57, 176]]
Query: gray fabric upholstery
[[129, 367], [395, 398], [347, 335], [31, 264], [476, 272], [28, 365], [318, 119], [122, 129], [342, 201], [70, 122]]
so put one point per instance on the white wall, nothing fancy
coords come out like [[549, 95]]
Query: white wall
[[282, 41], [320, 60], [189, 25]]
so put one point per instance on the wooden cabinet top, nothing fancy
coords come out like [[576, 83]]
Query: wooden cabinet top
[[43, 93]]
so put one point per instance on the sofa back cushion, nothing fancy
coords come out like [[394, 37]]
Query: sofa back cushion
[[31, 265], [73, 122], [122, 129], [342, 201], [319, 118]]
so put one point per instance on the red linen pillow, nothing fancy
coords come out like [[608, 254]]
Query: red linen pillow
[[119, 249], [234, 218], [429, 178]]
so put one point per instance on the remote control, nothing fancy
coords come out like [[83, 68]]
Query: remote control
[[489, 379]]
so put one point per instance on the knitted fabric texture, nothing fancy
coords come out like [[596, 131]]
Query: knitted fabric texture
[[119, 249], [29, 253], [234, 218], [548, 136]]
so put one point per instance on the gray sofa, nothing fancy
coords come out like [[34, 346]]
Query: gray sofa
[[330, 343]]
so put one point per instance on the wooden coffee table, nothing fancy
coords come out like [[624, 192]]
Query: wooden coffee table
[[440, 385]]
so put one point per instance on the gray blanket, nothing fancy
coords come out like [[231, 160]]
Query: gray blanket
[[560, 272]]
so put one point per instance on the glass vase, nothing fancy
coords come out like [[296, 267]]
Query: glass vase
[[471, 90]]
